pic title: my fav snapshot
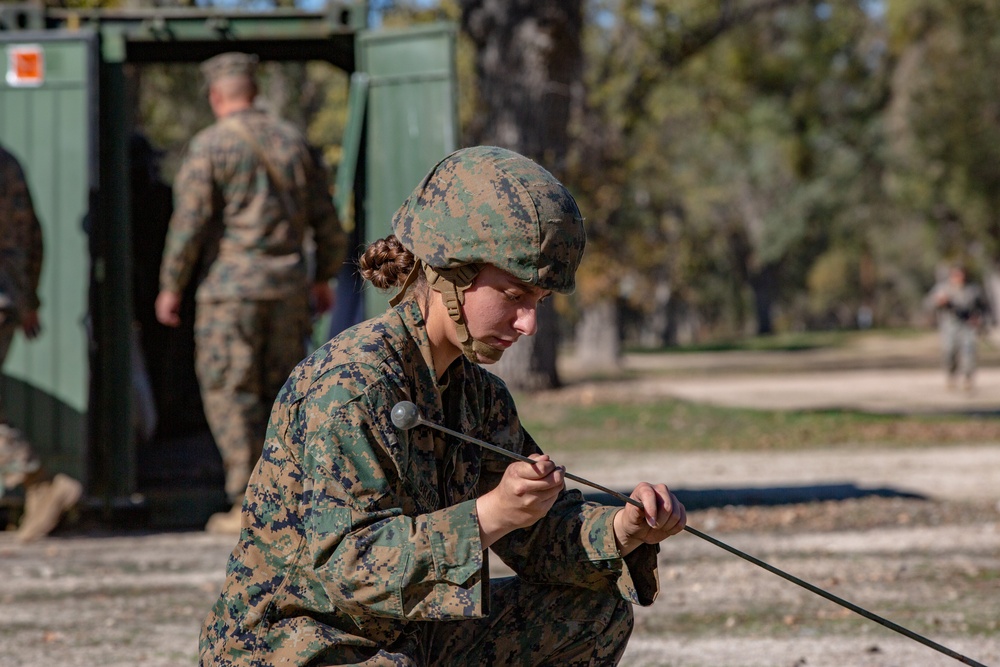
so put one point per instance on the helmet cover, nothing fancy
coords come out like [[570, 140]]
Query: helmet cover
[[489, 205]]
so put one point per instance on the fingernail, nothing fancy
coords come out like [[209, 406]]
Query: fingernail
[[651, 521]]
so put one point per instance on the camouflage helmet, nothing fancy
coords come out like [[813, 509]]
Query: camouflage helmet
[[489, 205]]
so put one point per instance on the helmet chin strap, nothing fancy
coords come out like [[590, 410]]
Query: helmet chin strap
[[451, 285]]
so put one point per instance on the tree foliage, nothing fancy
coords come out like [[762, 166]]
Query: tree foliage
[[744, 165], [731, 138], [528, 65], [947, 116]]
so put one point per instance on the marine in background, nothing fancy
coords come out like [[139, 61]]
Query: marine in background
[[246, 196], [962, 313], [47, 497]]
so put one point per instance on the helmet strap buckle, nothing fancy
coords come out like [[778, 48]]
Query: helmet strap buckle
[[451, 285]]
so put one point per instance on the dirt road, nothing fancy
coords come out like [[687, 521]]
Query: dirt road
[[912, 535]]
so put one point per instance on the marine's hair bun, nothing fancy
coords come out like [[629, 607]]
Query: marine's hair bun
[[386, 263]]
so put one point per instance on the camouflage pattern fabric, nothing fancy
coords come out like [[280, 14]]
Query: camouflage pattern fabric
[[489, 205], [242, 239], [354, 532], [20, 241], [20, 270], [244, 352], [959, 322], [17, 458], [534, 625], [528, 624], [230, 230]]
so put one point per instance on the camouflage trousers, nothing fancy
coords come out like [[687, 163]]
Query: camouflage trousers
[[529, 624], [17, 459], [958, 348], [244, 352]]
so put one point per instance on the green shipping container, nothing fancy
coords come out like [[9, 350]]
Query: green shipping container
[[63, 113]]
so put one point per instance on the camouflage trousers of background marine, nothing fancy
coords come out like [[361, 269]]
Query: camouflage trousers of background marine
[[958, 348], [244, 352], [529, 624], [17, 459]]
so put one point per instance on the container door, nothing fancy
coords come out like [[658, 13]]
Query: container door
[[411, 119], [47, 98]]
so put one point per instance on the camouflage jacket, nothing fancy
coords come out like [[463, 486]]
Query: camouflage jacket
[[353, 529], [233, 229], [20, 240], [959, 305]]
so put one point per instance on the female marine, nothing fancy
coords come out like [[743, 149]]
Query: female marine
[[365, 544]]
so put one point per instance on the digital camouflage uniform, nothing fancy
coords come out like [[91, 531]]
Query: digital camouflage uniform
[[20, 270], [961, 311], [354, 532], [360, 542], [241, 238]]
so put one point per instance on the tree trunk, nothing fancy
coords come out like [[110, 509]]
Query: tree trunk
[[598, 342], [529, 60], [660, 329], [763, 297]]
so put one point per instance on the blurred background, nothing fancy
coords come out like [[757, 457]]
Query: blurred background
[[771, 188], [746, 167], [754, 174]]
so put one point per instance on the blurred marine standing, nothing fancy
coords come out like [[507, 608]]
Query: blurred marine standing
[[961, 311], [46, 497], [245, 196]]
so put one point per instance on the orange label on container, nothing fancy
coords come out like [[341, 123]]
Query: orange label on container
[[25, 65]]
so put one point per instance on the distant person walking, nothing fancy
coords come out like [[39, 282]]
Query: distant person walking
[[245, 196], [961, 310], [46, 497]]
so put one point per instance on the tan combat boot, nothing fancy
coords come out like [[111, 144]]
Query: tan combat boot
[[45, 503], [225, 523]]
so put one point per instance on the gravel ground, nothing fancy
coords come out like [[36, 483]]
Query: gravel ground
[[923, 552], [931, 566]]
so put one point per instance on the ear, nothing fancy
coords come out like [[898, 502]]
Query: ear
[[214, 97]]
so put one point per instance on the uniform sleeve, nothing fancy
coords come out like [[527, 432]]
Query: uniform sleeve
[[21, 241], [371, 558], [982, 304], [36, 253], [577, 536], [331, 241], [193, 212], [579, 542]]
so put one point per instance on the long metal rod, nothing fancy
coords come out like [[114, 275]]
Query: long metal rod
[[722, 545], [839, 600], [514, 455]]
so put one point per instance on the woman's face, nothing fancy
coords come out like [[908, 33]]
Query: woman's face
[[498, 310]]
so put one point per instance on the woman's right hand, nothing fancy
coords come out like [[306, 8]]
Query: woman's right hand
[[525, 494], [168, 308]]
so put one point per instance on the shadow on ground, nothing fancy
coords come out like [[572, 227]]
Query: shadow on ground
[[700, 499]]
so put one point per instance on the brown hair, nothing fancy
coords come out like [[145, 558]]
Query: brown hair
[[386, 263]]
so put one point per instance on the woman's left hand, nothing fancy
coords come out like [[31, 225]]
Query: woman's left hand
[[662, 516]]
